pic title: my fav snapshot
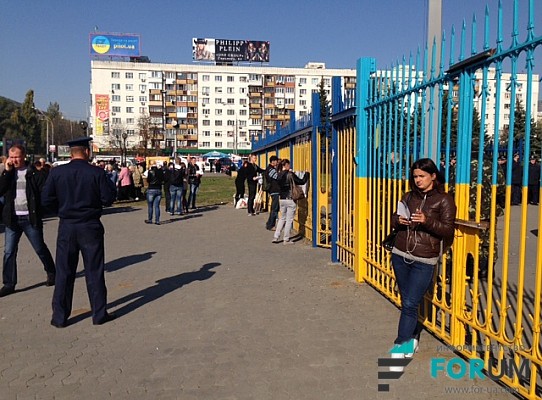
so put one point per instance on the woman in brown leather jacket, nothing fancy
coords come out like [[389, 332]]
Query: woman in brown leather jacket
[[426, 224]]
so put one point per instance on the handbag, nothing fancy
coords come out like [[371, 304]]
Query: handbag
[[297, 192], [389, 241]]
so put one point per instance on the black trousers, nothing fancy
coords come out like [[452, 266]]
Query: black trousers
[[87, 238], [251, 196], [534, 194], [516, 194]]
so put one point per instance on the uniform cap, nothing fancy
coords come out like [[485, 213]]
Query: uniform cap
[[80, 142]]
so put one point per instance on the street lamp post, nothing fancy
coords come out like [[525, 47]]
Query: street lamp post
[[48, 120], [124, 137], [163, 91]]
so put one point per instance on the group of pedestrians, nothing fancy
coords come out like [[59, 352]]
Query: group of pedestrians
[[77, 193], [175, 180], [277, 180], [128, 180]]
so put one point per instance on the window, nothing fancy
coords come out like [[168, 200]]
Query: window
[[218, 144], [302, 80], [130, 132], [230, 101], [206, 144], [130, 110], [115, 97], [218, 100], [314, 81], [205, 90], [218, 133], [507, 106], [129, 120], [231, 112], [231, 123], [218, 112], [206, 122], [129, 86], [230, 90], [230, 78], [290, 79], [142, 76], [218, 122], [142, 110], [289, 90], [115, 109], [242, 90], [303, 102], [218, 89], [115, 86], [115, 74], [255, 121], [242, 101], [205, 100], [218, 78], [205, 78], [206, 133], [302, 92], [506, 116], [206, 111], [243, 112], [254, 77], [242, 123], [116, 121], [142, 88], [129, 75], [156, 74], [242, 79], [155, 85], [142, 98], [129, 99]]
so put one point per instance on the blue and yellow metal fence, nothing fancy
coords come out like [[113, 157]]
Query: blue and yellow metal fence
[[467, 112]]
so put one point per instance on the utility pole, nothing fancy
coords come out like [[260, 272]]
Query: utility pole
[[434, 33]]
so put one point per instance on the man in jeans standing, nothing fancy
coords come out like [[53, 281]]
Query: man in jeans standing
[[21, 186], [194, 179], [271, 176]]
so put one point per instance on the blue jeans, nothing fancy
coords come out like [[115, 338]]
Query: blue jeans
[[176, 193], [12, 238], [153, 202], [192, 196], [274, 211], [414, 279]]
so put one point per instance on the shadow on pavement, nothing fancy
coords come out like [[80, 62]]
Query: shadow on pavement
[[535, 232], [34, 286], [163, 286], [118, 210], [119, 263]]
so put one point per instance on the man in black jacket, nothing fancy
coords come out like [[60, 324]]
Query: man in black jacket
[[271, 176], [21, 186]]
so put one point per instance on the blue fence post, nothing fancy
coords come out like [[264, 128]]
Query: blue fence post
[[337, 104], [315, 138]]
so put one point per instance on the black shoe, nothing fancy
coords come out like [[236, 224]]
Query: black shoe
[[59, 325], [148, 221], [6, 291], [157, 223], [50, 279], [108, 317]]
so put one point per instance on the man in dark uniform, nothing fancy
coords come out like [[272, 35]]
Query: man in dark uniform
[[79, 191]]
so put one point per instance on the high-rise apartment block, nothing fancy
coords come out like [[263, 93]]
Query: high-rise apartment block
[[195, 108]]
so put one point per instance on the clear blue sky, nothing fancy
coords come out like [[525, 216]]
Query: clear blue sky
[[44, 44]]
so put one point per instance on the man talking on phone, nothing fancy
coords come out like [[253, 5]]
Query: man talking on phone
[[21, 185]]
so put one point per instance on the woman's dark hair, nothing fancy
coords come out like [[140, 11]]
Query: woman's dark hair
[[284, 162], [426, 165], [245, 164]]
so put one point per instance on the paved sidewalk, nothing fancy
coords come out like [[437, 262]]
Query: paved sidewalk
[[210, 309]]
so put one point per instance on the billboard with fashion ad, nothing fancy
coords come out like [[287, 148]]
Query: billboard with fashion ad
[[122, 45], [228, 50]]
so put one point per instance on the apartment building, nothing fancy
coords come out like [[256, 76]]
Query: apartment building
[[194, 108]]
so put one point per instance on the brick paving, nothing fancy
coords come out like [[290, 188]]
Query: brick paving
[[209, 309]]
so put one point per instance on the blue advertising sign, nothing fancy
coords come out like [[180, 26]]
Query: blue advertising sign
[[105, 44]]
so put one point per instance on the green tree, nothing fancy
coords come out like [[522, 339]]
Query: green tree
[[325, 109], [28, 121]]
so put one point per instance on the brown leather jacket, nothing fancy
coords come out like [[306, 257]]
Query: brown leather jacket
[[423, 240]]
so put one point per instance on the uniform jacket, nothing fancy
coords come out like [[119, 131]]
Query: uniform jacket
[[34, 185], [78, 191], [423, 240]]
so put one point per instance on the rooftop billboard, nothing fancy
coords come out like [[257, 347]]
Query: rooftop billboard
[[121, 45], [229, 50]]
